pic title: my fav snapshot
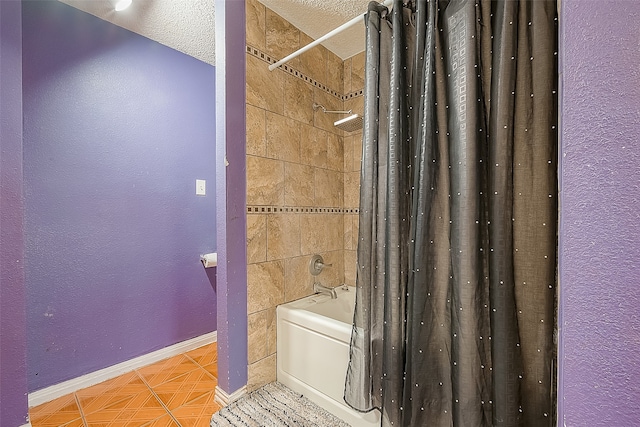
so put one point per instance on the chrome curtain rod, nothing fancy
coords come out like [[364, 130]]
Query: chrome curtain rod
[[327, 36]]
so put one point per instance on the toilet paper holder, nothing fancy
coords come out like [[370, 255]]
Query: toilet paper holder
[[209, 260]]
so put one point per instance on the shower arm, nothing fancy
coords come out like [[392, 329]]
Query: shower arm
[[324, 110]]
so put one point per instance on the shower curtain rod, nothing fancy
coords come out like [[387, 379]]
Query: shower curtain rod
[[323, 38]]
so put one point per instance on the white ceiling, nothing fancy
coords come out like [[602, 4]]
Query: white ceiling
[[184, 25], [188, 25], [318, 17]]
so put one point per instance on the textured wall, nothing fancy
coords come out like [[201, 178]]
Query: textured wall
[[600, 214], [184, 25], [13, 367], [117, 129], [230, 196]]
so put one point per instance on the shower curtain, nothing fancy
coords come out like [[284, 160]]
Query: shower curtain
[[456, 274]]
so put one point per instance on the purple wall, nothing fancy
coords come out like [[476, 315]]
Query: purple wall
[[600, 214], [231, 194], [13, 368], [117, 128]]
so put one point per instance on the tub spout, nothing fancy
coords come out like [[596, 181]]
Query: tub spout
[[321, 289]]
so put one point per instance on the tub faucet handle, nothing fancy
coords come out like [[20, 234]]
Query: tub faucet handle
[[322, 264], [317, 264]]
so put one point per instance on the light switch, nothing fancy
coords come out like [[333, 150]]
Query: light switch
[[201, 187]]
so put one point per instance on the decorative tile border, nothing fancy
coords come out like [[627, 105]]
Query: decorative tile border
[[353, 94], [299, 209], [287, 68]]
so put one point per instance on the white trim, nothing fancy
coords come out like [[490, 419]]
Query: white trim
[[330, 34], [44, 395], [223, 399], [25, 425]]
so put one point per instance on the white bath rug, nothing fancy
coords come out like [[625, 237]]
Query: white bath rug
[[274, 405]]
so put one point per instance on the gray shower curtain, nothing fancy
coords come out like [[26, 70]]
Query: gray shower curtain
[[456, 275]]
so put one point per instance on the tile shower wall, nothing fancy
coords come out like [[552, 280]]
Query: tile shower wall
[[353, 87], [302, 175]]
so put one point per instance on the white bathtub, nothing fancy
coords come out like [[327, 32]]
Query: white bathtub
[[313, 352]]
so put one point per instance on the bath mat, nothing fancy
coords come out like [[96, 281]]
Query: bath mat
[[274, 405]]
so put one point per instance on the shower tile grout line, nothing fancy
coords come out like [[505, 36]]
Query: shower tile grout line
[[264, 156]]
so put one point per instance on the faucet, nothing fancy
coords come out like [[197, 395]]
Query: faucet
[[321, 289]]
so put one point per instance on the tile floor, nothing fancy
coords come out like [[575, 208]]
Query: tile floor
[[175, 392]]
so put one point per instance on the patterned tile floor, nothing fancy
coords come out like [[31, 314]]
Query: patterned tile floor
[[176, 392]]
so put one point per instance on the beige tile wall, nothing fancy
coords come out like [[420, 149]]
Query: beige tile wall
[[353, 85], [302, 173]]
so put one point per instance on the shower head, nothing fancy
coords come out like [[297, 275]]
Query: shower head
[[349, 124]]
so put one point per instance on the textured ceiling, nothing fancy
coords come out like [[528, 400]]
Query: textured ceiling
[[188, 25], [318, 17], [185, 25]]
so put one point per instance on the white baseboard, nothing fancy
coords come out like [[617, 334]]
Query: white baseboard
[[25, 425], [223, 399], [44, 395]]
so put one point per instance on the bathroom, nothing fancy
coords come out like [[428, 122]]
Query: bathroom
[[584, 277]]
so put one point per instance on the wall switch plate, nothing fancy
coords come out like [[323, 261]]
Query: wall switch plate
[[201, 187]]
